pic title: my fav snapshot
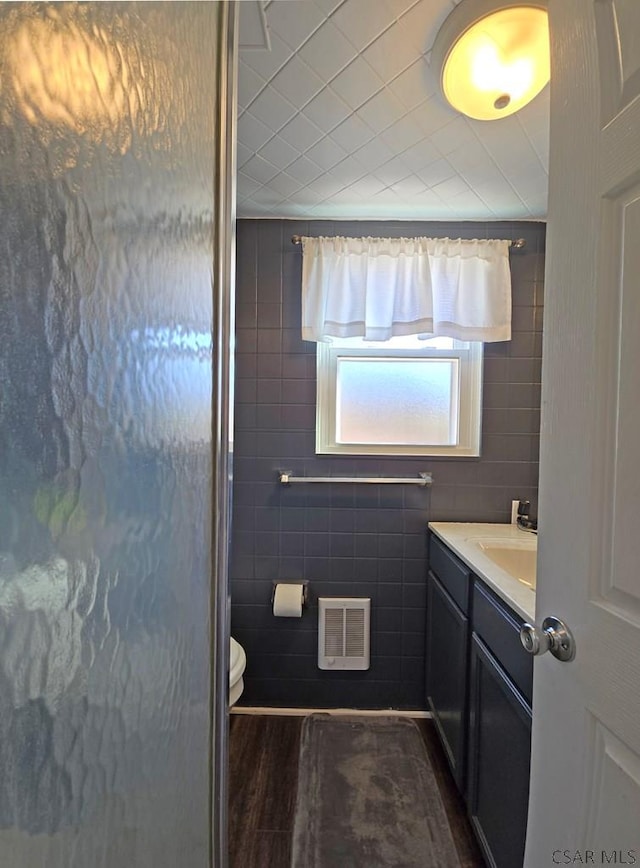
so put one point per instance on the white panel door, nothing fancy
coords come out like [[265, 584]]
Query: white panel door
[[585, 787]]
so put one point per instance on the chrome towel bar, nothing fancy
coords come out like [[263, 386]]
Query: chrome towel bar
[[422, 479]]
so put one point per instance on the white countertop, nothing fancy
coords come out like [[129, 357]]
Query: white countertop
[[460, 536]]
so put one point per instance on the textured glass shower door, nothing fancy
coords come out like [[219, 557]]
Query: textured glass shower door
[[109, 222]]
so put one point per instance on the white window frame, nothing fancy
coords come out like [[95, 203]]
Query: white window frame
[[470, 357]]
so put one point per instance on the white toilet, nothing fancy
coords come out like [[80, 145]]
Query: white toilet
[[237, 663]]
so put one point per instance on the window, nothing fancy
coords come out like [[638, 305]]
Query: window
[[404, 396]]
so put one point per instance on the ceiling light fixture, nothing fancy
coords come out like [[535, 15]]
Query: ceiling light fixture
[[492, 57]]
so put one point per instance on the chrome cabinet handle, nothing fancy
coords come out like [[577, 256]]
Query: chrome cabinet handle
[[555, 636]]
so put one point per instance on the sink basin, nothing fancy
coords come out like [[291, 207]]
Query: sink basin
[[516, 557]]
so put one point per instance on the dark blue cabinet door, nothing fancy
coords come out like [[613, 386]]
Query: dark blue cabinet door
[[446, 658], [499, 756]]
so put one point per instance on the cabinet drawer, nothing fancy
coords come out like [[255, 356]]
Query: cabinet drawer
[[454, 575], [500, 631]]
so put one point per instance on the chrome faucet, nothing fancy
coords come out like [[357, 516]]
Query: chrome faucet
[[523, 521]]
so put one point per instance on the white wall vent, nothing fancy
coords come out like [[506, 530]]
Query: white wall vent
[[343, 632]]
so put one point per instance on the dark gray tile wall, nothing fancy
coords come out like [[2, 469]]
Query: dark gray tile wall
[[357, 540]]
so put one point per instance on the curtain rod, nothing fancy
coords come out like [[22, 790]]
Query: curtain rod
[[516, 244]]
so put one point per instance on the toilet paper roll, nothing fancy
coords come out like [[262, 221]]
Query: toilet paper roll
[[287, 601]]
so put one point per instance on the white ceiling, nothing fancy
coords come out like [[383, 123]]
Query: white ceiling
[[342, 119]]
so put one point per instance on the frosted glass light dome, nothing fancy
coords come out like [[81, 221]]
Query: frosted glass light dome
[[492, 57]]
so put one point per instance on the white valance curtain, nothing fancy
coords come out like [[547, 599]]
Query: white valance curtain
[[378, 288]]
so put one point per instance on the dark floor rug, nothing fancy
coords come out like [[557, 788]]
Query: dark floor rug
[[367, 797]]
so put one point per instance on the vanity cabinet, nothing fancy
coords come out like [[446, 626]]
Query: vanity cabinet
[[499, 752], [479, 688], [447, 652], [501, 684], [448, 601]]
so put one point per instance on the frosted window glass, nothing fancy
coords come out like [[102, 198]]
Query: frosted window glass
[[397, 401]]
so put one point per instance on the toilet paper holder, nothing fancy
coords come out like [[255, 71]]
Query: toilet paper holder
[[305, 589]]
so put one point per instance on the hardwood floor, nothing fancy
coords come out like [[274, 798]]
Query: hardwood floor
[[263, 770], [455, 808]]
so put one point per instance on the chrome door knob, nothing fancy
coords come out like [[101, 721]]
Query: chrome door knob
[[534, 640], [555, 636]]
